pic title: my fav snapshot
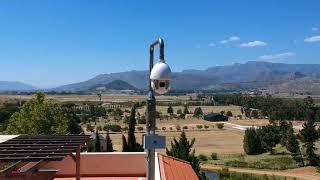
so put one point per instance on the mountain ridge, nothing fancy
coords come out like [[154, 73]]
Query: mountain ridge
[[204, 79], [15, 86]]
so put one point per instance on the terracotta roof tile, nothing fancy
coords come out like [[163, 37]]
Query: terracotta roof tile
[[175, 169]]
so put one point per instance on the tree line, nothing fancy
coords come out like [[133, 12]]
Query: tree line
[[271, 107], [265, 138]]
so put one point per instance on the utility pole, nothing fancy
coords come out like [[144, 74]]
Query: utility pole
[[161, 85]]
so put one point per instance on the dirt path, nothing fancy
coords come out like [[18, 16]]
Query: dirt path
[[305, 173]]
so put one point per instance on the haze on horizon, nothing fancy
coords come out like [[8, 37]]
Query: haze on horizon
[[51, 43]]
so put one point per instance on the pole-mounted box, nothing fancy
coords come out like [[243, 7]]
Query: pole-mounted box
[[154, 141]]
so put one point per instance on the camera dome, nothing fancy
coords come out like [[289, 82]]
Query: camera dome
[[160, 71], [160, 78]]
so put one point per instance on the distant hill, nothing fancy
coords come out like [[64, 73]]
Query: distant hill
[[237, 76], [15, 86], [114, 85]]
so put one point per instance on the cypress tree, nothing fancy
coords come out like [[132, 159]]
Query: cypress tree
[[309, 136], [170, 109], [252, 142], [186, 110], [132, 127], [182, 149], [109, 143], [293, 146], [132, 145], [97, 144], [124, 144], [198, 112]]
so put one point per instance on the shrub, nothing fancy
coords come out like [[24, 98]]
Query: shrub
[[229, 113], [224, 173], [170, 128], [179, 111], [214, 156], [185, 127], [206, 126], [170, 110], [140, 128], [178, 128], [198, 112], [125, 128], [99, 128], [112, 127], [220, 125], [277, 163], [163, 128], [203, 157], [199, 126], [255, 114], [142, 120], [89, 128], [182, 116]]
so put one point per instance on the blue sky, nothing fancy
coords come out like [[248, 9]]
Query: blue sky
[[48, 43]]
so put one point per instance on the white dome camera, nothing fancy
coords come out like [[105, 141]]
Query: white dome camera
[[160, 77]]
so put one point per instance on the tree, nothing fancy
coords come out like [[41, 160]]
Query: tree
[[292, 146], [185, 110], [198, 112], [270, 136], [7, 109], [170, 109], [252, 142], [182, 149], [38, 116], [109, 143], [255, 114], [124, 144], [72, 118], [99, 96], [229, 114], [132, 145], [309, 135], [97, 142]]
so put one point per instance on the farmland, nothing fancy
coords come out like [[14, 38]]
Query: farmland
[[226, 142]]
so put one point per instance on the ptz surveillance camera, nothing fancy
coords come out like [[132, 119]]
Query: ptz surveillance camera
[[160, 77]]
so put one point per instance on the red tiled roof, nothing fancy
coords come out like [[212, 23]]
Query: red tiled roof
[[173, 169]]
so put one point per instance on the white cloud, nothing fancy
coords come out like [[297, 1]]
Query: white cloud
[[253, 44], [211, 44], [277, 56], [230, 39], [312, 39], [314, 29]]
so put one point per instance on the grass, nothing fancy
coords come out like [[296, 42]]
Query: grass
[[262, 161], [225, 174]]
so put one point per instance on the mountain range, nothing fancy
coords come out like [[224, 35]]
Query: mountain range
[[250, 75], [253, 74], [15, 86]]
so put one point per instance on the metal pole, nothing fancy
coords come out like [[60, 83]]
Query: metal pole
[[151, 110], [78, 175]]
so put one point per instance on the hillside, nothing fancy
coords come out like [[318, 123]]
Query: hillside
[[114, 85], [237, 76], [15, 86]]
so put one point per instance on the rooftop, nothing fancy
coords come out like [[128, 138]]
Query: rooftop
[[115, 165]]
